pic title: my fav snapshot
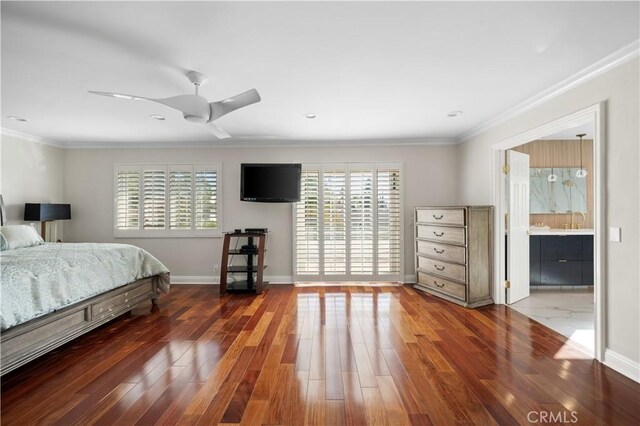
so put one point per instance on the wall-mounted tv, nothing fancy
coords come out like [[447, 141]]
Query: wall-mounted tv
[[270, 183]]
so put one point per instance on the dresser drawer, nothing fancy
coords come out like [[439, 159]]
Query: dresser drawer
[[440, 216], [442, 251], [445, 234], [445, 269], [452, 289]]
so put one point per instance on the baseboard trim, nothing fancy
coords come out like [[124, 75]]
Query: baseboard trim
[[275, 279], [410, 279], [622, 365], [194, 279], [211, 279]]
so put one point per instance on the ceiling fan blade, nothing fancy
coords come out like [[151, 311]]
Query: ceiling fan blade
[[189, 105], [193, 106], [119, 95], [217, 131], [220, 108]]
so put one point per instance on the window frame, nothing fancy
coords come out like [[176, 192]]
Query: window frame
[[349, 276], [166, 233]]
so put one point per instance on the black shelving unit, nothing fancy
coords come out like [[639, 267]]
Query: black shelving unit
[[251, 272]]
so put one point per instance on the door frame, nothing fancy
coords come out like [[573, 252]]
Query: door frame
[[593, 114]]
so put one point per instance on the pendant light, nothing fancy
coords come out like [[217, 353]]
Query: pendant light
[[552, 177], [581, 173]]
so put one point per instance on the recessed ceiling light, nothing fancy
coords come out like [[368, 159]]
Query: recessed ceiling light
[[454, 113], [157, 117], [311, 115], [13, 117]]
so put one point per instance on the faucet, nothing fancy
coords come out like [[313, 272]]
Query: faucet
[[578, 225]]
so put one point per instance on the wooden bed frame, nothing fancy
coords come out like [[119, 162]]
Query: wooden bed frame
[[27, 341]]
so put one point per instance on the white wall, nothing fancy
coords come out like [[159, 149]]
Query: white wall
[[620, 89], [31, 173], [429, 176]]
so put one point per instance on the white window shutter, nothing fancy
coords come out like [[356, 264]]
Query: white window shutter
[[206, 198], [180, 197], [335, 222], [361, 221], [307, 224], [127, 199], [389, 211], [348, 225], [154, 190]]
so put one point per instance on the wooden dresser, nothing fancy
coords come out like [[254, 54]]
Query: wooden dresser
[[454, 247]]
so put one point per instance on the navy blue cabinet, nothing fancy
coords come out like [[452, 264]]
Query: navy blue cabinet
[[561, 247], [534, 261], [561, 260]]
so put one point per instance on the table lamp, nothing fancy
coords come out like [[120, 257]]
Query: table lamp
[[35, 212]]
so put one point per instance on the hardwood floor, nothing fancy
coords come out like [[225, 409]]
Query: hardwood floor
[[328, 355]]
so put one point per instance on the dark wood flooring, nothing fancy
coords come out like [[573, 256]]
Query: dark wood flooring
[[332, 355]]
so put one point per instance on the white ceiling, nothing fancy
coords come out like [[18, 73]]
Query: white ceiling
[[371, 71]]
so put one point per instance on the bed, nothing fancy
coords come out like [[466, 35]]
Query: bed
[[55, 292]]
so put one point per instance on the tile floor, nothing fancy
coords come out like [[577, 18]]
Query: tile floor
[[569, 312]]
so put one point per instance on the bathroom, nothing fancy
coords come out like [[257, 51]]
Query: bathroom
[[561, 234]]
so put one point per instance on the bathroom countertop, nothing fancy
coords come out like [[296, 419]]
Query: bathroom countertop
[[542, 231]]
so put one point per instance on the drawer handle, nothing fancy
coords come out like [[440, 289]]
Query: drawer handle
[[437, 217], [562, 260], [438, 251], [438, 234], [438, 285], [439, 268]]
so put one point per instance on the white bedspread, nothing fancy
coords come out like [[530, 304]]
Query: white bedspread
[[37, 280]]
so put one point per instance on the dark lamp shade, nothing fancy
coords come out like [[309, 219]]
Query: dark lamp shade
[[43, 212]]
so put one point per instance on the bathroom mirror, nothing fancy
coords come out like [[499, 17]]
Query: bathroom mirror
[[567, 194]]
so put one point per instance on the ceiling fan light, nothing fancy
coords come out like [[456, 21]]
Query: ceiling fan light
[[552, 177]]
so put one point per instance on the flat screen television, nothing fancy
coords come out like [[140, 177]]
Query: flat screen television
[[270, 183]]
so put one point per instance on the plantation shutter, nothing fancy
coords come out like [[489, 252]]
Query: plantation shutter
[[180, 197], [389, 221], [154, 189], [335, 222], [361, 221], [307, 224], [348, 224], [206, 199], [128, 198]]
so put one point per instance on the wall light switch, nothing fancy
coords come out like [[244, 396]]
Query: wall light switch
[[615, 234]]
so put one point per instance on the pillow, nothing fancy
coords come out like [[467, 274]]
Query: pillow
[[18, 236]]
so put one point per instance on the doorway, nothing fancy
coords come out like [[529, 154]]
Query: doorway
[[556, 278]]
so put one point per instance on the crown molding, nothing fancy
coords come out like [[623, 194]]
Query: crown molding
[[253, 143], [31, 138], [617, 58]]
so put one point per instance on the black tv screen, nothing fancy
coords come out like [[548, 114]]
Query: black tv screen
[[270, 183]]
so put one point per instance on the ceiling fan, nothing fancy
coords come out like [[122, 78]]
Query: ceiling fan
[[196, 108]]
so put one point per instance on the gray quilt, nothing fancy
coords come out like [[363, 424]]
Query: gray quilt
[[37, 280]]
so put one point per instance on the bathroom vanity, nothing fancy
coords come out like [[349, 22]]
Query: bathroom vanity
[[561, 257]]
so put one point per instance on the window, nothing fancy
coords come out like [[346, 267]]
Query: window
[[160, 200], [348, 223]]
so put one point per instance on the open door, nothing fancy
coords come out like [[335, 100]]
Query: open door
[[518, 226]]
